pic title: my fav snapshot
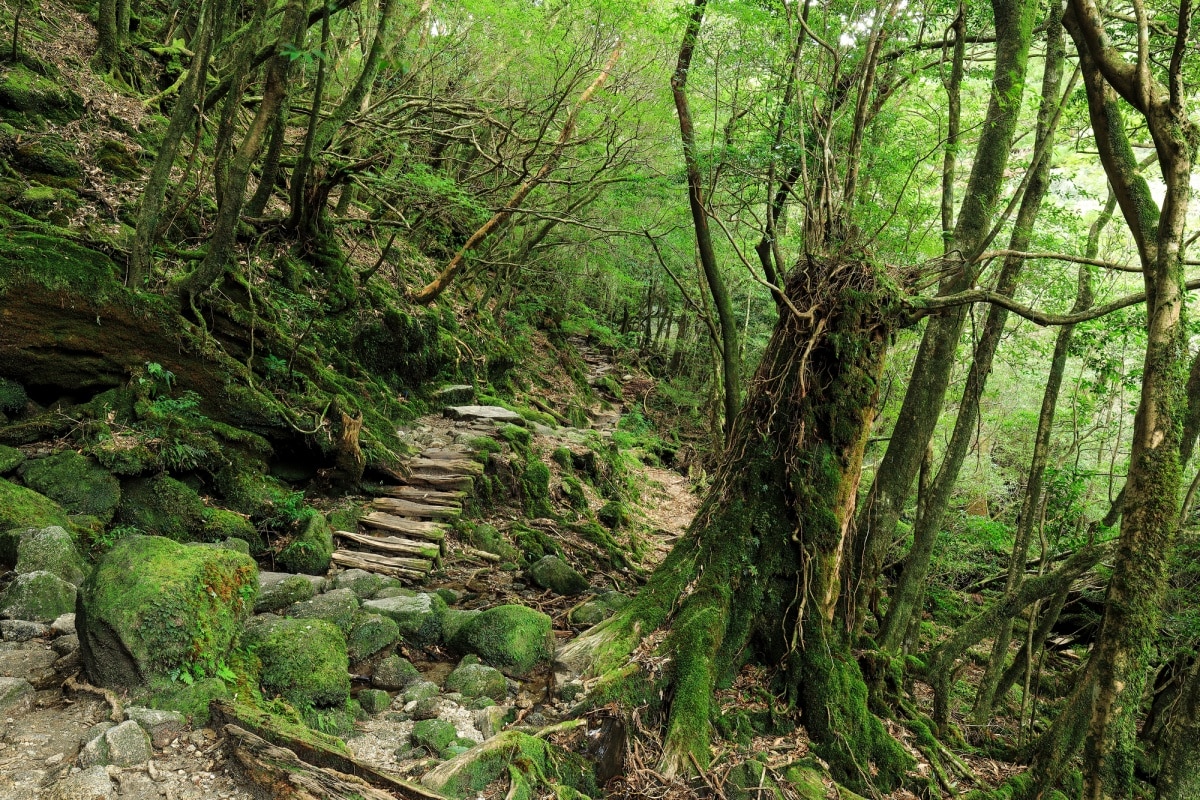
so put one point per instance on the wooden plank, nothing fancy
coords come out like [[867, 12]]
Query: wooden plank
[[429, 531], [446, 454], [393, 544], [407, 508], [382, 564], [431, 497], [460, 483], [456, 468]]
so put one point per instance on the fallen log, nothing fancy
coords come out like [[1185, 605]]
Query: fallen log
[[393, 544], [429, 531], [413, 568], [432, 497], [407, 508]]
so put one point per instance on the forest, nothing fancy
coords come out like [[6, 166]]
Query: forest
[[594, 398]]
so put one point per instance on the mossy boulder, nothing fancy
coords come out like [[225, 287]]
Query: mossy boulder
[[526, 760], [51, 550], [25, 508], [163, 506], [278, 590], [551, 572], [598, 609], [435, 735], [115, 159], [303, 660], [75, 482], [311, 549], [614, 514], [38, 597], [512, 638], [25, 96], [10, 459], [220, 524], [535, 488], [374, 701], [364, 584], [369, 634], [454, 620], [395, 672], [13, 400], [338, 607], [153, 606], [48, 158], [420, 617], [487, 537], [472, 679]]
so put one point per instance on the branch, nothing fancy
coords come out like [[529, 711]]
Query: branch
[[1095, 262]]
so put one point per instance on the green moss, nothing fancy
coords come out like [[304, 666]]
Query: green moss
[[310, 550], [38, 596], [562, 457], [529, 762], [10, 459], [533, 543], [192, 700], [513, 638], [369, 634], [434, 735], [573, 493], [304, 661], [535, 488], [220, 524], [77, 483], [516, 435], [163, 506], [113, 157], [12, 397], [25, 508], [51, 550], [614, 514]]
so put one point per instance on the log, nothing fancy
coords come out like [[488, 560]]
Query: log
[[484, 554], [428, 531], [393, 544], [397, 566], [456, 483], [407, 508], [456, 468], [446, 454], [284, 775], [312, 750], [430, 496]]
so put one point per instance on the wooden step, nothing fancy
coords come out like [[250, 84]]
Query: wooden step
[[415, 568], [452, 483], [446, 454], [450, 468], [407, 508], [393, 544], [428, 531], [431, 497]]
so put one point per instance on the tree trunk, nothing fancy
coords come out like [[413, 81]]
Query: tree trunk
[[760, 567]]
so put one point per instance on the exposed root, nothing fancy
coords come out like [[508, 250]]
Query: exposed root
[[117, 713]]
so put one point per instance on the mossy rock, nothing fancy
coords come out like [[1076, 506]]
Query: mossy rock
[[512, 638], [339, 607], [31, 95], [25, 508], [303, 660], [49, 158], [192, 700], [551, 572], [532, 543], [374, 701], [573, 493], [473, 680], [454, 620], [163, 506], [525, 759], [420, 690], [309, 552], [487, 537], [808, 780], [420, 617], [38, 597], [10, 459], [535, 489], [395, 672], [114, 158], [370, 634], [750, 780], [598, 609], [277, 591], [75, 482], [434, 735], [222, 525], [153, 606], [613, 514], [50, 550], [364, 584], [13, 399]]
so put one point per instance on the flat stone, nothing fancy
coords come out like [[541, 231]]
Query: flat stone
[[35, 664], [494, 414], [419, 617], [16, 697], [161, 726], [90, 784], [64, 625], [338, 606], [20, 630]]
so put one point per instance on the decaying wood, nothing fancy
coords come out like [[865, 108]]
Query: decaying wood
[[446, 454], [284, 775], [429, 531], [484, 554], [431, 496], [393, 544], [456, 483], [414, 568], [455, 468], [408, 508]]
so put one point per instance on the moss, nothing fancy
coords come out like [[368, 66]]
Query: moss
[[220, 524], [25, 508], [528, 761], [38, 596], [52, 550], [115, 159], [309, 552], [614, 514], [513, 638], [12, 397], [486, 537], [535, 488], [476, 680], [163, 506], [304, 661], [532, 543], [10, 459], [370, 634], [152, 607], [516, 435], [434, 735], [482, 447], [31, 96], [77, 483], [572, 492], [192, 700]]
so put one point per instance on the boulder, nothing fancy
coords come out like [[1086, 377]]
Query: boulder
[[75, 482], [10, 458], [394, 672], [598, 609], [51, 550], [278, 590], [163, 506], [37, 596], [310, 551], [25, 508], [494, 414], [30, 95], [370, 634], [16, 697], [515, 639], [21, 630], [90, 784], [420, 690], [434, 735], [364, 584], [153, 606], [374, 701], [338, 606], [419, 617], [160, 726], [455, 395], [524, 759], [304, 660], [124, 745], [551, 572], [473, 680]]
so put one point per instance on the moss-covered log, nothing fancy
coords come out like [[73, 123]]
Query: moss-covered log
[[760, 572]]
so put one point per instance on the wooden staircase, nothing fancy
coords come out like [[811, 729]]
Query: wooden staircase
[[404, 533]]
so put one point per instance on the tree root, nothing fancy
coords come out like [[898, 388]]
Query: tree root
[[117, 713]]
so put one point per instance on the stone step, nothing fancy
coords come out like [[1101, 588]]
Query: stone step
[[413, 568], [428, 531], [456, 468], [452, 483], [446, 454], [431, 497], [494, 414], [407, 508], [393, 544]]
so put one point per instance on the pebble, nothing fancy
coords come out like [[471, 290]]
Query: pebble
[[54, 759]]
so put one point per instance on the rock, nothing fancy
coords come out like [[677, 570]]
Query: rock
[[160, 726], [304, 660], [477, 680], [420, 690], [32, 95], [455, 395], [598, 609], [20, 630], [374, 701], [338, 606], [310, 551], [551, 572], [52, 550], [75, 482], [278, 590], [419, 617], [434, 735], [512, 638], [16, 697], [491, 720], [395, 672], [163, 506], [115, 159], [65, 644], [370, 634], [25, 508], [34, 664], [64, 625], [454, 620], [37, 596], [364, 584], [152, 606], [10, 458], [494, 414], [230, 529], [128, 745], [90, 784]]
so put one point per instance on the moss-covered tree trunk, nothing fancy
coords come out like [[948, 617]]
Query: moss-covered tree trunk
[[760, 570]]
